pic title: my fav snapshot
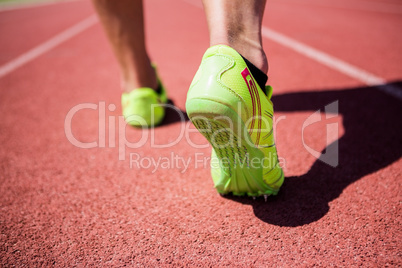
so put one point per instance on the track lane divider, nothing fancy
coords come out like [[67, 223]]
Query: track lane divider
[[326, 59], [47, 45], [332, 62]]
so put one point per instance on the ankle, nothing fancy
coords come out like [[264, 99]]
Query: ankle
[[259, 59], [133, 79], [249, 50], [254, 54]]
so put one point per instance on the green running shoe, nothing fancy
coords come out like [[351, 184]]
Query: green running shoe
[[228, 107], [144, 107]]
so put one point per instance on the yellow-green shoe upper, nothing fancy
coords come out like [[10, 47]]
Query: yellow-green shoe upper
[[144, 107], [224, 87]]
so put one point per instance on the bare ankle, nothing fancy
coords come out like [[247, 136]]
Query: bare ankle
[[258, 58], [133, 78], [252, 51]]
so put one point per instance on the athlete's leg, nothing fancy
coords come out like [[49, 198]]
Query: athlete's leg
[[123, 21], [229, 103], [237, 23]]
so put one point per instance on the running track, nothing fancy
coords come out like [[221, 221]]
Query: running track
[[61, 205]]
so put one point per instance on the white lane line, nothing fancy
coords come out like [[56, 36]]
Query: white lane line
[[24, 5], [47, 46], [332, 62], [326, 59]]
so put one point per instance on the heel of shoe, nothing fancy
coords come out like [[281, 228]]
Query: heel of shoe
[[199, 107], [236, 164]]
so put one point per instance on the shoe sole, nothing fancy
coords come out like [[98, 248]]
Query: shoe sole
[[232, 145]]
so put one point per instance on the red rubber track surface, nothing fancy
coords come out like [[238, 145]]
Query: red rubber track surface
[[61, 205]]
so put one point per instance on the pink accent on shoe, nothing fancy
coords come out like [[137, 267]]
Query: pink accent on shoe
[[254, 99]]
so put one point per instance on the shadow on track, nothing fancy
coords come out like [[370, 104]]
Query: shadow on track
[[173, 114], [372, 141]]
